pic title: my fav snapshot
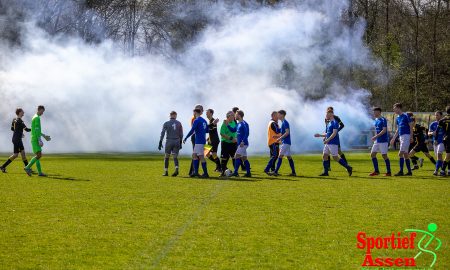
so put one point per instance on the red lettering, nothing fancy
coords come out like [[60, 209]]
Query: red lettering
[[368, 261], [361, 242]]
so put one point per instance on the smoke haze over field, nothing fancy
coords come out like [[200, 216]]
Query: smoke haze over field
[[99, 99]]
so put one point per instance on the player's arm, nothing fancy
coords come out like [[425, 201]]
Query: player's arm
[[232, 129], [26, 128], [194, 126], [161, 138], [381, 133], [284, 135], [411, 131], [335, 131], [341, 125]]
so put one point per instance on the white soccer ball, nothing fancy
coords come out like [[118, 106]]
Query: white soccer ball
[[228, 173]]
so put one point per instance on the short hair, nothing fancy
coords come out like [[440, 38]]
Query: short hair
[[439, 112], [18, 110], [410, 114], [398, 105], [41, 107], [200, 107], [283, 112], [229, 113], [173, 113], [273, 113], [198, 110], [241, 113], [377, 109], [235, 109], [447, 109], [330, 109], [211, 111]]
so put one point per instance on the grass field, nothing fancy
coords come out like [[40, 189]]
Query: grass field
[[118, 212]]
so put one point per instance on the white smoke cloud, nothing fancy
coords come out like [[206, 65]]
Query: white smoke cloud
[[97, 99]]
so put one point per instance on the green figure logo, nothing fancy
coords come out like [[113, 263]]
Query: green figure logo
[[432, 227]]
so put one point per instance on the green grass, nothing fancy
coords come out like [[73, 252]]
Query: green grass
[[117, 212]]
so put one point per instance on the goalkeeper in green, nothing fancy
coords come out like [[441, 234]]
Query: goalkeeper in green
[[36, 141]]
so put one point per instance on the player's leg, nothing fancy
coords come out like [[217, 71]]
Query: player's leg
[[447, 158], [8, 161], [246, 162], [325, 160], [38, 164], [200, 151], [24, 157], [438, 153], [412, 156], [292, 165], [37, 150], [341, 154], [191, 168], [384, 148], [283, 153], [335, 154], [224, 156], [195, 163], [238, 163], [175, 152], [426, 152], [406, 155], [373, 156], [271, 160], [167, 152]]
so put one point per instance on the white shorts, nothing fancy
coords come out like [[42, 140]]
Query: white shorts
[[242, 150], [404, 143], [378, 147], [199, 149], [331, 149], [285, 150], [438, 148]]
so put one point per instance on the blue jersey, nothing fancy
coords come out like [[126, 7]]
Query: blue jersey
[[242, 131], [381, 123], [403, 121], [332, 125], [439, 137], [199, 128], [284, 126]]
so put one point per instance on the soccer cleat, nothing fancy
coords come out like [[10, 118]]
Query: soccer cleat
[[416, 167], [42, 175], [205, 175], [443, 173], [399, 174], [388, 174], [275, 174], [194, 175], [421, 162], [408, 174], [293, 174], [3, 169], [268, 173], [248, 175], [324, 174], [350, 171], [175, 173], [374, 174], [235, 174], [435, 173], [165, 173], [28, 171]]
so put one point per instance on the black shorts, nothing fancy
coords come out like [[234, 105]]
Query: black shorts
[[18, 146], [274, 150], [228, 150], [215, 146], [420, 147]]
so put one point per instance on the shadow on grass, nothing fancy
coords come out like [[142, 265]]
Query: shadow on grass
[[65, 178], [237, 179]]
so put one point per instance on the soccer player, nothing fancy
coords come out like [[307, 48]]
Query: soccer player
[[174, 131], [200, 107], [36, 142], [213, 138], [17, 126], [380, 143], [228, 141], [242, 132], [418, 144], [444, 123], [285, 148], [331, 145], [273, 132], [341, 126], [234, 110], [404, 131], [200, 128], [437, 135]]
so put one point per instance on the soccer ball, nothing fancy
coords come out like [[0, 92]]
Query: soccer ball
[[228, 173]]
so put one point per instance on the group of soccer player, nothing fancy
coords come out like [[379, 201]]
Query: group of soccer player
[[233, 137], [18, 127]]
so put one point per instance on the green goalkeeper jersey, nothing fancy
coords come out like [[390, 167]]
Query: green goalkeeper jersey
[[36, 127]]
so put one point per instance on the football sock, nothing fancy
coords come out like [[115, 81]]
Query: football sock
[[196, 165], [280, 160], [433, 160], [343, 163], [402, 162], [175, 160], [247, 166], [25, 162], [33, 160], [166, 164], [237, 165], [291, 163], [205, 167], [388, 165], [38, 166], [375, 164], [6, 163], [408, 165]]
